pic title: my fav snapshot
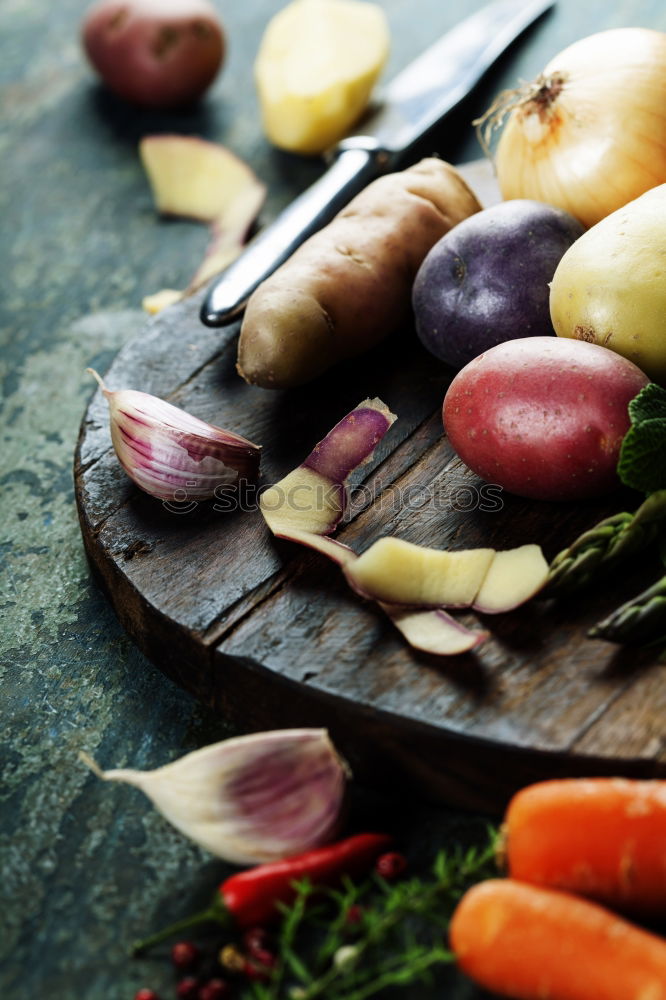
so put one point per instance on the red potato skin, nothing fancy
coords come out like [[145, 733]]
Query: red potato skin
[[542, 421], [155, 53], [528, 943], [604, 838]]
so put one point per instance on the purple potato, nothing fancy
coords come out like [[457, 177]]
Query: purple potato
[[487, 280]]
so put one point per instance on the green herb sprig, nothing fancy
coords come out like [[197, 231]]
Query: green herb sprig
[[642, 463], [399, 938]]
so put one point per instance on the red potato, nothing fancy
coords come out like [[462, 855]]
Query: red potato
[[155, 53], [542, 419]]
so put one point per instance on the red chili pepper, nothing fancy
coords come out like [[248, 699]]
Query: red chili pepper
[[251, 897]]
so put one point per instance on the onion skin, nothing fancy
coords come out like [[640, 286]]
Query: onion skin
[[155, 53], [592, 135]]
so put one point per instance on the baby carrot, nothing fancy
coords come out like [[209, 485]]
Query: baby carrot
[[599, 837], [529, 943]]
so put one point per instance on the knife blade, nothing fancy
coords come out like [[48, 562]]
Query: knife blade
[[415, 101]]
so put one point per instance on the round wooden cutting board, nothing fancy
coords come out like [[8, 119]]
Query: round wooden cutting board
[[269, 634]]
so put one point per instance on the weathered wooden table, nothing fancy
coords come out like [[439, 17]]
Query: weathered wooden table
[[88, 867]]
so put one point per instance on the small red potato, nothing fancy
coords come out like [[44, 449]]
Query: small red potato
[[543, 417], [155, 53]]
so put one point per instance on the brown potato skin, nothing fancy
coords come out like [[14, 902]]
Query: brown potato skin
[[154, 54], [349, 285]]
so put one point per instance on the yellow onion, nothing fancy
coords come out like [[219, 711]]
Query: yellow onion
[[589, 135]]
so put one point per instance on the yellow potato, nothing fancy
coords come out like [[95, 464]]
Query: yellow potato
[[610, 286], [317, 64]]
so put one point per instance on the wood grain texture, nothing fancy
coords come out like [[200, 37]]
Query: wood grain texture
[[271, 636]]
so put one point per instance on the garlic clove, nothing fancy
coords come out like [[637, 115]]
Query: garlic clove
[[252, 798], [171, 454]]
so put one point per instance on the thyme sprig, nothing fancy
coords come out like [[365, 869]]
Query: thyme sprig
[[399, 937]]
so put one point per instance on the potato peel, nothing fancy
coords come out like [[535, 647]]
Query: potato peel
[[514, 576], [310, 501], [433, 631], [313, 498], [412, 584], [196, 179], [429, 630]]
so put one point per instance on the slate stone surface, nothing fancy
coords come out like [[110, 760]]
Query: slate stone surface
[[87, 867]]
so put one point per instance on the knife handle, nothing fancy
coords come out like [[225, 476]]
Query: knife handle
[[357, 161]]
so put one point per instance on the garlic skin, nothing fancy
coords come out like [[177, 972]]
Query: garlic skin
[[170, 454], [250, 799]]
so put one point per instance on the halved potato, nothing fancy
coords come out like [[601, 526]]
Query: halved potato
[[316, 67]]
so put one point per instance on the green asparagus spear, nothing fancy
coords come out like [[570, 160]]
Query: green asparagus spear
[[639, 622], [606, 545]]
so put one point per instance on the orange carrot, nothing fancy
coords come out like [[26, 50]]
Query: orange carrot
[[541, 944], [599, 837]]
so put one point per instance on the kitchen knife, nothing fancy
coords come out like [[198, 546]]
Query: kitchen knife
[[415, 101]]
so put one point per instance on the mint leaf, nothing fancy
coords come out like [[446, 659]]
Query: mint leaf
[[649, 404], [642, 464]]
